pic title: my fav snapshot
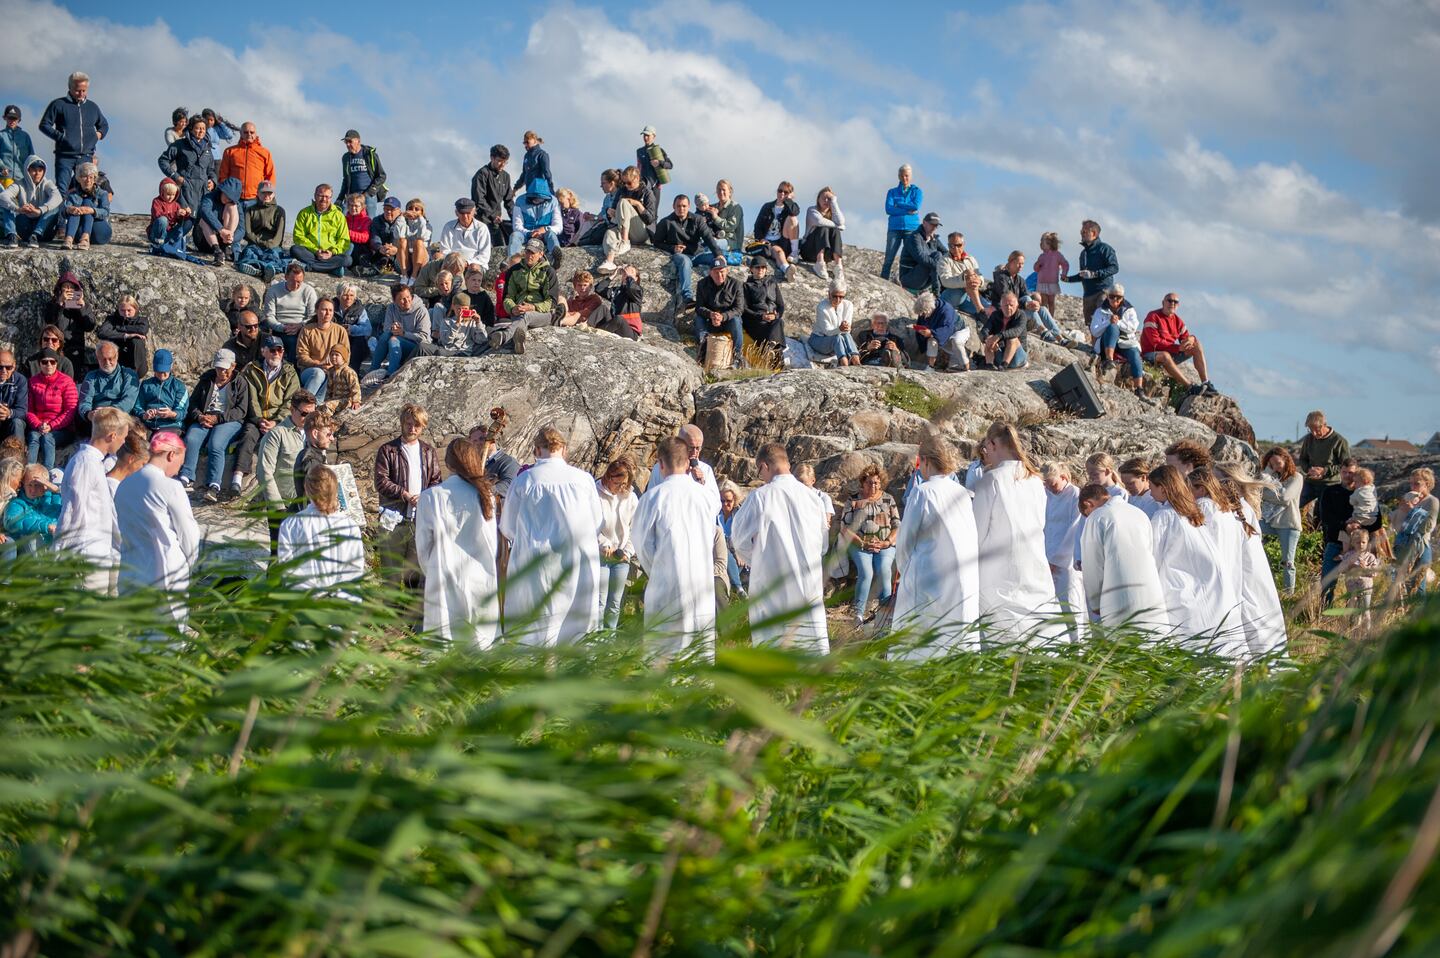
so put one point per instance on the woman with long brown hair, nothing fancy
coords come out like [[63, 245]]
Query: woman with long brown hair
[[1280, 507], [1261, 615], [455, 540], [1198, 598], [1017, 595]]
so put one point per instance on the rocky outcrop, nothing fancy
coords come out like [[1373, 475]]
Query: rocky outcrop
[[1220, 413], [611, 397]]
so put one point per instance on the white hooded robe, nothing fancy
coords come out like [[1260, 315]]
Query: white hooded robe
[[159, 539], [937, 553], [1261, 614], [1198, 597], [779, 531], [456, 547], [87, 524], [552, 520], [1122, 585], [674, 538], [1017, 595], [1063, 523], [327, 550]]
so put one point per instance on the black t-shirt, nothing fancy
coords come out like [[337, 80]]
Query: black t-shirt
[[1333, 510]]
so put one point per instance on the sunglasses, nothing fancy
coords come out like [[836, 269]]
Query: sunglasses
[[1115, 299], [1172, 302], [6, 368], [49, 339], [48, 362]]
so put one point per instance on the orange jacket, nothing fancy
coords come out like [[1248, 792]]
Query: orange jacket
[[250, 164]]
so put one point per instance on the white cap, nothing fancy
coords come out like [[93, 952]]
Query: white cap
[[224, 359]]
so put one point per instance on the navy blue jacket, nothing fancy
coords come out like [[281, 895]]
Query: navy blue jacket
[[189, 158], [920, 261], [210, 206], [1099, 259], [76, 128], [15, 393]]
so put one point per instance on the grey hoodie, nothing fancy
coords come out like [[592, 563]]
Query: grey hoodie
[[46, 196]]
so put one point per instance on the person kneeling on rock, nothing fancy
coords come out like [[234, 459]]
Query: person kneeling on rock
[[531, 293], [937, 329]]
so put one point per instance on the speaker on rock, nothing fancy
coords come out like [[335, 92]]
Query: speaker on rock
[[1076, 392]]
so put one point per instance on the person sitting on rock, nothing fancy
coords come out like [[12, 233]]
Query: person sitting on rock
[[160, 404], [879, 346], [413, 233], [762, 313], [1166, 342], [681, 235], [321, 236], [219, 228], [1009, 278], [50, 411], [15, 146], [626, 298], [215, 416], [357, 222], [459, 330], [954, 270], [465, 234], [531, 292], [87, 210], [312, 348], [831, 333], [490, 190], [405, 327], [427, 281], [262, 236], [1005, 335], [270, 382], [342, 384], [129, 331], [14, 396], [1116, 329], [189, 162], [1039, 317], [572, 220], [585, 307], [718, 305], [535, 215], [352, 314], [68, 311], [778, 227], [921, 255], [593, 234], [169, 222], [938, 330], [108, 384], [245, 342], [710, 213], [50, 338], [822, 245], [732, 214], [473, 285], [631, 218], [289, 304], [386, 244], [319, 450], [34, 510], [242, 298], [275, 464], [30, 207]]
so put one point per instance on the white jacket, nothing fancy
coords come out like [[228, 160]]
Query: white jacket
[[828, 318], [1129, 324]]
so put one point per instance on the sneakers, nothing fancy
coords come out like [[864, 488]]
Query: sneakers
[[248, 269], [818, 268], [186, 483], [605, 268], [84, 242], [340, 273], [266, 274], [212, 494], [12, 241], [687, 306], [1208, 389], [375, 377], [497, 339], [34, 241], [1196, 389], [517, 339]]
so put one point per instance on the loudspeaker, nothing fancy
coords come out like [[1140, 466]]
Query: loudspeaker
[[1075, 391]]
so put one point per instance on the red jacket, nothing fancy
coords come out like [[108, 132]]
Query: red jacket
[[159, 206], [53, 399], [1161, 333], [359, 224], [250, 163]]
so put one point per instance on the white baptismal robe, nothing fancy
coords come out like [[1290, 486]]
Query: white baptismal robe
[[937, 553], [327, 550], [552, 520], [456, 547], [1122, 585], [1063, 523], [1261, 615], [1199, 598], [87, 524], [159, 539], [711, 485], [674, 538], [1017, 594], [779, 531]]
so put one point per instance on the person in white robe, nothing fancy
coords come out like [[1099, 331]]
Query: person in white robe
[[159, 539], [674, 539], [1261, 615], [1017, 595], [937, 554], [1135, 477], [1063, 523], [1228, 529], [552, 521], [87, 525], [1122, 584], [456, 539], [1199, 599], [322, 541], [779, 532], [697, 469]]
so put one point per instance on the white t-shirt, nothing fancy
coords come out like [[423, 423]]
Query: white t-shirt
[[412, 467]]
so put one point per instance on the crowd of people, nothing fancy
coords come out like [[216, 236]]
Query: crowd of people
[[993, 549]]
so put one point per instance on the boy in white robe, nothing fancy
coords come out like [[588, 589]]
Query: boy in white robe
[[674, 538], [159, 539], [1122, 586], [779, 532], [87, 523]]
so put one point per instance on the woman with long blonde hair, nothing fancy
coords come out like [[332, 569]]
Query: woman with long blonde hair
[[1261, 615]]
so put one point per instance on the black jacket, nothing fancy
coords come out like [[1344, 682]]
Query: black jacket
[[15, 393], [309, 456], [491, 192], [244, 355], [767, 216], [761, 297], [646, 195], [377, 174], [724, 298], [236, 409], [689, 233], [625, 295], [1002, 282]]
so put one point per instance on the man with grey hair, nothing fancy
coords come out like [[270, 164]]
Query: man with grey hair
[[77, 126], [109, 384], [699, 471], [902, 209]]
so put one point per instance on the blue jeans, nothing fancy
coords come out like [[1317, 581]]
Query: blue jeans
[[703, 329], [518, 238], [615, 578], [392, 351], [252, 254], [684, 276], [1016, 361], [705, 257], [24, 225], [1329, 562], [307, 258], [15, 427], [215, 440], [894, 239], [313, 380], [869, 566], [161, 233], [65, 169], [1109, 340], [78, 226], [1046, 321], [732, 571], [1289, 542], [42, 445]]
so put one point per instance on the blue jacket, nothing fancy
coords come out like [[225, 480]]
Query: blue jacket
[[902, 205], [32, 517], [15, 148], [170, 394], [942, 321], [119, 389], [1099, 258], [920, 261], [100, 200], [530, 215], [535, 166], [76, 128], [15, 393], [191, 159], [209, 209]]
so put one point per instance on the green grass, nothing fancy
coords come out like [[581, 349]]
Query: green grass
[[913, 397], [305, 777]]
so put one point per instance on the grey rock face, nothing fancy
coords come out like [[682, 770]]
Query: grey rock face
[[1220, 413]]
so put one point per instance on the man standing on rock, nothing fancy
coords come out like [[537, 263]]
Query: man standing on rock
[[490, 191], [77, 126], [1098, 267], [1321, 454], [250, 163], [780, 533], [362, 172]]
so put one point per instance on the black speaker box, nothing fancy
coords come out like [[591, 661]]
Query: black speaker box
[[1076, 392]]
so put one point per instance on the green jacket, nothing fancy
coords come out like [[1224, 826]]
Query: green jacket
[[270, 399], [265, 225], [329, 232], [536, 285]]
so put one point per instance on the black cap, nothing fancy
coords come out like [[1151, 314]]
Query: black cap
[[464, 203], [352, 135], [272, 342], [12, 112]]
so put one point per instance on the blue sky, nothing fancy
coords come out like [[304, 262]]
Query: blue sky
[[1270, 163]]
